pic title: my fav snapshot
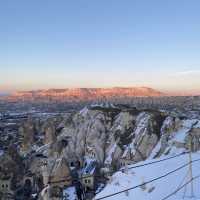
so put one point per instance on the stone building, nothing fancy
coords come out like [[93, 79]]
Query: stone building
[[57, 173], [88, 178], [7, 167], [56, 177], [6, 192]]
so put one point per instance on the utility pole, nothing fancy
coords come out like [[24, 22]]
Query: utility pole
[[190, 165]]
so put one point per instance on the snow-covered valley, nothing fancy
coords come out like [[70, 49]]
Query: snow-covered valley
[[101, 150]]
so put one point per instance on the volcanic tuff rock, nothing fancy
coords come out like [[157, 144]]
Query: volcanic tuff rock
[[27, 132], [34, 132], [11, 167], [49, 132], [114, 135], [55, 146]]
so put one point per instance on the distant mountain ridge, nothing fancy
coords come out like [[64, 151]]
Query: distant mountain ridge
[[86, 93]]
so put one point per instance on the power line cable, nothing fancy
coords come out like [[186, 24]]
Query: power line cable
[[137, 166], [121, 170], [158, 161], [150, 181], [187, 183], [183, 180]]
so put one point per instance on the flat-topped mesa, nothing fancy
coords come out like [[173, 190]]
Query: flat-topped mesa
[[79, 94]]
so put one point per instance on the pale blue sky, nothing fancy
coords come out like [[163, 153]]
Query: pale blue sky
[[99, 43]]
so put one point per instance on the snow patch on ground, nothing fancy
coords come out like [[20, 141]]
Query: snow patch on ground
[[70, 193], [155, 190], [110, 154]]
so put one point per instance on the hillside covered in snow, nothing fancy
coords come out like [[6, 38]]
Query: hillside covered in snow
[[100, 150], [173, 179]]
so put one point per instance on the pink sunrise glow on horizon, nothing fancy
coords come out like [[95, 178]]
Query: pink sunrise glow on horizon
[[100, 44]]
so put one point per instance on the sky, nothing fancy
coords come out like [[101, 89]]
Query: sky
[[100, 43]]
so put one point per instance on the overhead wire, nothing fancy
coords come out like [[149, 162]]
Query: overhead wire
[[181, 187], [150, 181], [121, 170]]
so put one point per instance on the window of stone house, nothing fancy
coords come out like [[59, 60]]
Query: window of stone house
[[78, 163]]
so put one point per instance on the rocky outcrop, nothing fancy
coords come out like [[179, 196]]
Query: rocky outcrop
[[11, 169], [60, 173], [113, 135], [84, 94], [146, 134], [108, 132], [27, 133], [87, 128], [49, 132], [56, 176], [136, 138]]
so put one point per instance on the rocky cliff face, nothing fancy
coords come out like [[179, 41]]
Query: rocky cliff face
[[113, 135], [116, 136], [27, 133], [84, 94]]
